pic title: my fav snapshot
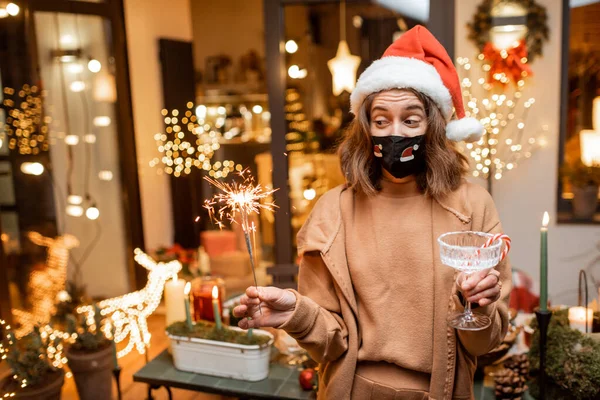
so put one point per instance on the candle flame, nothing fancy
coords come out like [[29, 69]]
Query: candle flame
[[546, 219], [215, 292], [175, 277], [188, 287]]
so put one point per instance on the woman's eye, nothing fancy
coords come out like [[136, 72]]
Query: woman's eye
[[380, 123], [411, 122]]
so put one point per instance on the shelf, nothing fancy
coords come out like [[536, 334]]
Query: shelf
[[221, 99]]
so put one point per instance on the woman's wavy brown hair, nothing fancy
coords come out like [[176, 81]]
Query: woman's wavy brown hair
[[445, 165]]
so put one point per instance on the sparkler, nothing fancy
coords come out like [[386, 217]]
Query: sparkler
[[243, 198]]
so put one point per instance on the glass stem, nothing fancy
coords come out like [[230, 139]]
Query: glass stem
[[468, 312]]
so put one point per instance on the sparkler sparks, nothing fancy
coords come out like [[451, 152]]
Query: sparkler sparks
[[240, 198]]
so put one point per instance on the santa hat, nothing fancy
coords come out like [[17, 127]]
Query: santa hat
[[418, 61]]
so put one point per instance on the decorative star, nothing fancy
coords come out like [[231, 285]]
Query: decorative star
[[343, 69]]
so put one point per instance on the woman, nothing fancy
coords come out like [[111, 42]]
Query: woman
[[373, 296]]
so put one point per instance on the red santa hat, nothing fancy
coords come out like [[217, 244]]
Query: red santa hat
[[418, 61]]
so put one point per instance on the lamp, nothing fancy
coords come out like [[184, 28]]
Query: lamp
[[590, 147], [344, 65], [509, 24]]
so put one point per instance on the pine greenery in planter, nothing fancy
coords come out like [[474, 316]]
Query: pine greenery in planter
[[207, 330], [90, 337], [30, 360], [572, 361]]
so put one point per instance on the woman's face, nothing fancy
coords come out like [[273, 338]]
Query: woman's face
[[397, 113]]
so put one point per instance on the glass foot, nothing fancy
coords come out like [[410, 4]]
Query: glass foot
[[469, 322]]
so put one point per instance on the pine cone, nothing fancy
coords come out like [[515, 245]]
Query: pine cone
[[509, 385], [519, 364]]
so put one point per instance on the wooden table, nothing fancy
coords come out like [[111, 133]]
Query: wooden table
[[282, 382]]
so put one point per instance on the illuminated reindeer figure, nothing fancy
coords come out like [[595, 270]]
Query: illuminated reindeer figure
[[129, 313], [44, 285]]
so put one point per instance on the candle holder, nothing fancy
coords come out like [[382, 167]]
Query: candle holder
[[583, 279], [543, 319], [202, 297], [117, 374]]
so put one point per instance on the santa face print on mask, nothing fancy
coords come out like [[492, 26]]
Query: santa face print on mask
[[400, 156]]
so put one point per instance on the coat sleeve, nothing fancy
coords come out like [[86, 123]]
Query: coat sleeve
[[481, 342], [316, 322]]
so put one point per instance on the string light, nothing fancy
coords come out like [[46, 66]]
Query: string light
[[77, 86], [72, 140], [128, 314], [32, 168], [92, 213], [503, 112], [12, 9], [291, 46], [94, 66], [189, 141], [105, 175], [90, 138], [6, 330], [74, 210], [44, 285], [25, 126], [102, 121]]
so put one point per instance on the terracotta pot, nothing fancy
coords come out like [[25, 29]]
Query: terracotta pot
[[585, 200], [92, 373], [49, 391]]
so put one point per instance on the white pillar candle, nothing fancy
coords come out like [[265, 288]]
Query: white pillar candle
[[174, 300], [577, 318]]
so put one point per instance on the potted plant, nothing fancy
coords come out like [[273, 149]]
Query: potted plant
[[35, 363], [91, 358], [228, 352], [572, 361], [585, 181]]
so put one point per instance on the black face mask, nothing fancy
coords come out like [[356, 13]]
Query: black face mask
[[400, 156]]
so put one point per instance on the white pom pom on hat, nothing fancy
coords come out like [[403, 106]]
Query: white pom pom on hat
[[417, 60]]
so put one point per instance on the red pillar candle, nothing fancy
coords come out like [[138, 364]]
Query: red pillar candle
[[203, 299]]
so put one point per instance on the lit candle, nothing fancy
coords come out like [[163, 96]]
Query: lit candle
[[544, 263], [186, 301], [215, 304], [581, 318], [174, 300]]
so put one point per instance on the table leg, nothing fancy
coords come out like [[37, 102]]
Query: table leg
[[155, 387]]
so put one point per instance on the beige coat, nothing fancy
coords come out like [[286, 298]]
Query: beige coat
[[324, 320]]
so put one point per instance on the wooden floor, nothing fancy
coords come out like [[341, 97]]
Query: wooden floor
[[132, 362]]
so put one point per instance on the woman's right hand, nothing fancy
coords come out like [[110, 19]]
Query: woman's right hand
[[277, 306]]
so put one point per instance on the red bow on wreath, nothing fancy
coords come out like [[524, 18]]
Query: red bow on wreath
[[510, 62]]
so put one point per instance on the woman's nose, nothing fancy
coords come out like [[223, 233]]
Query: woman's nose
[[397, 128]]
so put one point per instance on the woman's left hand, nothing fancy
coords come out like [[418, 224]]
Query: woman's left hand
[[483, 287]]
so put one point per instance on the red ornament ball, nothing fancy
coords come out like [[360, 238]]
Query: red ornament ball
[[307, 378]]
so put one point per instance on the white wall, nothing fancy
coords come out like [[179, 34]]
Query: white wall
[[526, 192], [229, 27], [104, 239], [146, 22]]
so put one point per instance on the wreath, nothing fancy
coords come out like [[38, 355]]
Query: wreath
[[537, 18]]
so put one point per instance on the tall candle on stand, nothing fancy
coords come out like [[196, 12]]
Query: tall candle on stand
[[215, 304], [544, 263], [174, 300], [186, 301]]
